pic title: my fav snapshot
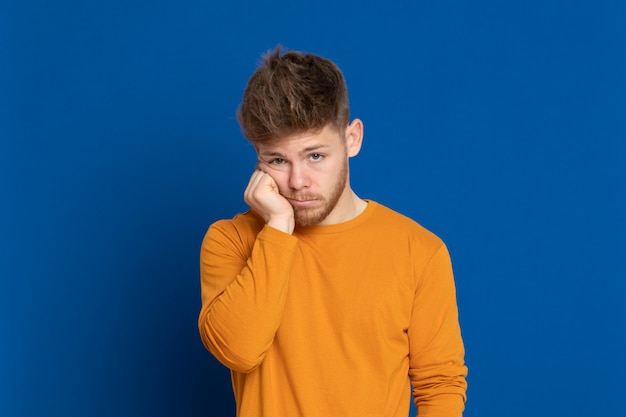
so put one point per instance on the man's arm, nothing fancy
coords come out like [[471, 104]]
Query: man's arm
[[243, 296], [437, 366], [244, 288]]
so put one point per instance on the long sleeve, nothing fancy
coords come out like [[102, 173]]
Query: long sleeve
[[244, 282], [436, 357]]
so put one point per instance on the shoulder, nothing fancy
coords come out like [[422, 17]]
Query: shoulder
[[406, 242], [240, 231], [242, 223], [402, 226]]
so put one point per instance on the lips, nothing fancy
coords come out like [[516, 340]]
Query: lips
[[302, 202]]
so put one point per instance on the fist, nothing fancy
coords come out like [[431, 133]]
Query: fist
[[263, 196]]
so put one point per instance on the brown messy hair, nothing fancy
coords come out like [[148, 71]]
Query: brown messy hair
[[292, 93]]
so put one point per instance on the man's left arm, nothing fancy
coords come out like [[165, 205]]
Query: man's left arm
[[436, 356]]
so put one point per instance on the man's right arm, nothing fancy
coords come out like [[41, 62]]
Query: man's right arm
[[243, 293], [244, 286]]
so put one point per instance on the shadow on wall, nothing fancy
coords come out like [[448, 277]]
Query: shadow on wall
[[107, 291]]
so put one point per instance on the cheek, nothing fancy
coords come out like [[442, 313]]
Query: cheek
[[328, 178]]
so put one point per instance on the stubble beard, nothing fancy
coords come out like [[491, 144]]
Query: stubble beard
[[312, 216]]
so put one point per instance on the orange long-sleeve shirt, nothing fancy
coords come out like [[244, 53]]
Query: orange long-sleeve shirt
[[337, 320]]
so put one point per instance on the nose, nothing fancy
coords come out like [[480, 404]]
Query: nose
[[298, 177]]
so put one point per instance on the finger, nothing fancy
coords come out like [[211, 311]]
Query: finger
[[256, 177], [253, 185], [268, 181]]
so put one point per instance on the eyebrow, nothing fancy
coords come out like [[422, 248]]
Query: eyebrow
[[304, 151]]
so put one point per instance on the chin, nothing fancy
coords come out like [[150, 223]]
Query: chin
[[312, 219]]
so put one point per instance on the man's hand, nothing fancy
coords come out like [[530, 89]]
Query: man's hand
[[263, 196]]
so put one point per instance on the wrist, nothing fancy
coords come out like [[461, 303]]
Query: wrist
[[285, 224]]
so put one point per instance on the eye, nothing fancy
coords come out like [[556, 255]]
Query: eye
[[316, 157], [277, 161]]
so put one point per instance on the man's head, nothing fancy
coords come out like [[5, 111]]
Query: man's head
[[295, 112], [293, 93]]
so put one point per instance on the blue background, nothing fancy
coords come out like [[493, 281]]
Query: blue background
[[499, 125]]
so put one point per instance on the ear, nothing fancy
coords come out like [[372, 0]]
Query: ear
[[354, 137]]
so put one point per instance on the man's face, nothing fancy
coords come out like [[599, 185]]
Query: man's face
[[311, 171]]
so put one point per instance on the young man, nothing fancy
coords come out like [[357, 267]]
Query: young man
[[322, 303]]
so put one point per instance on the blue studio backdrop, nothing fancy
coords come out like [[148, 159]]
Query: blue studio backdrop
[[499, 125]]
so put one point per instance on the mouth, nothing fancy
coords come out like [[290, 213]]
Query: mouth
[[302, 203]]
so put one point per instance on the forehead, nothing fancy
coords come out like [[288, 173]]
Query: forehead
[[328, 137]]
